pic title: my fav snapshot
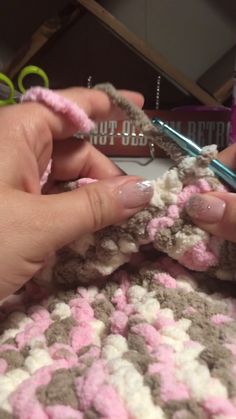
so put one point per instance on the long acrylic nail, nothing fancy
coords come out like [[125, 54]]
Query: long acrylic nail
[[205, 208], [135, 194]]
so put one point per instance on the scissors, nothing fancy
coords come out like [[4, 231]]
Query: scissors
[[192, 149], [8, 94]]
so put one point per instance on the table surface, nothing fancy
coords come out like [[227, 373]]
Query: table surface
[[134, 166]]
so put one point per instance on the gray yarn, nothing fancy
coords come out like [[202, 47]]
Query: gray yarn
[[141, 120]]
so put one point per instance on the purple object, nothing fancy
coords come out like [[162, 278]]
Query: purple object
[[233, 117], [201, 108]]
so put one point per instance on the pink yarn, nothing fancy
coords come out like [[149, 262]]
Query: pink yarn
[[31, 331], [186, 193], [157, 224], [149, 333], [118, 322], [173, 211], [171, 389], [88, 386], [219, 319], [166, 280], [108, 404], [220, 407], [93, 390], [60, 104], [163, 322], [38, 313], [120, 301], [24, 402], [66, 350], [203, 185], [198, 258], [62, 412], [122, 304], [81, 336], [93, 352], [41, 321], [81, 310], [189, 310]]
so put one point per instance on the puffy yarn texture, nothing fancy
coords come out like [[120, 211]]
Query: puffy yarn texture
[[97, 336]]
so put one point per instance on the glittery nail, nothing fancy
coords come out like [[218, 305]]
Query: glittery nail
[[205, 208], [136, 194]]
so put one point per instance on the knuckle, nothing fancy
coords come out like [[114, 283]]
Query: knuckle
[[96, 207]]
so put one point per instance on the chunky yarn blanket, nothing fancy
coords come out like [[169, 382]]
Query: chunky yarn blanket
[[98, 336]]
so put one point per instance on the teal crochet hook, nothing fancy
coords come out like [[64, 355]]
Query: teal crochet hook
[[192, 149]]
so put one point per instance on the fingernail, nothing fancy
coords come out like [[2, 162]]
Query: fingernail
[[135, 194], [206, 208]]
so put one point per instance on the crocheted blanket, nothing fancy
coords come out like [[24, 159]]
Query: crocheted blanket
[[117, 339]]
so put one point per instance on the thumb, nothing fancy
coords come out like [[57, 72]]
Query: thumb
[[215, 213], [69, 215]]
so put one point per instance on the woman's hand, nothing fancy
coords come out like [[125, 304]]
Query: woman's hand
[[216, 212], [33, 226]]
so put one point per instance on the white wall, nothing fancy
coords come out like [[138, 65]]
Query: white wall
[[191, 34]]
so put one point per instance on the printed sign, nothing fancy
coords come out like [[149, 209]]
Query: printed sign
[[122, 139]]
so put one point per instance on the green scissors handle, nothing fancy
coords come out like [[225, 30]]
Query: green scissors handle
[[7, 86]]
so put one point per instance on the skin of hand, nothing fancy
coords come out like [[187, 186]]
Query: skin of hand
[[35, 225], [215, 212]]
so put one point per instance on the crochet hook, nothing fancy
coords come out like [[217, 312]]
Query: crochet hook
[[192, 149]]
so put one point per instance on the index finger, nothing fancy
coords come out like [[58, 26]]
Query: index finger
[[35, 125], [97, 104]]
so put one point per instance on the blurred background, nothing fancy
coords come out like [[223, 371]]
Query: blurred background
[[191, 44]]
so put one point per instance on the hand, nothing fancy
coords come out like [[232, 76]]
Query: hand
[[215, 212], [33, 226]]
